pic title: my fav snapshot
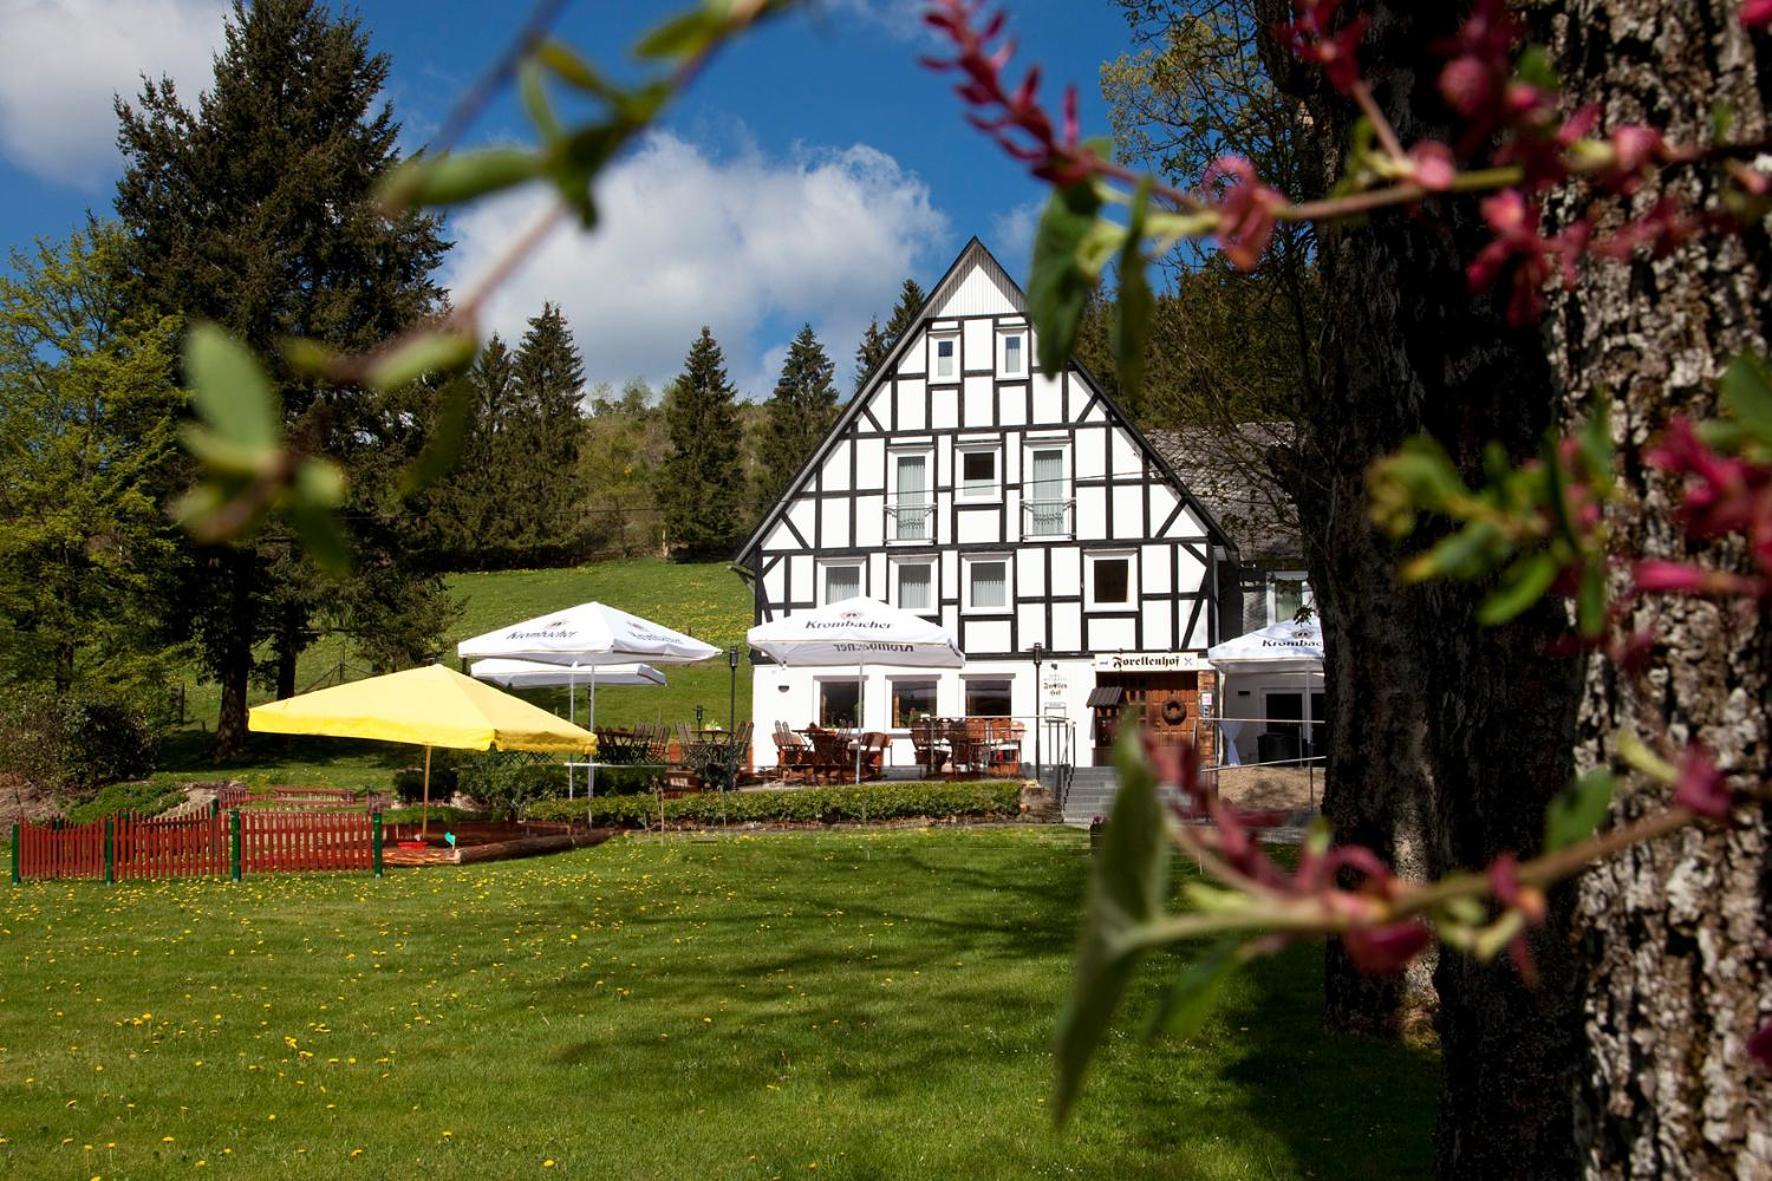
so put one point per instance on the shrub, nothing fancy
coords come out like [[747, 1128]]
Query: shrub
[[409, 783], [137, 799], [504, 781], [72, 741], [824, 805]]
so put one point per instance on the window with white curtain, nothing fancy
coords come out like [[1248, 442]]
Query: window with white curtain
[[842, 580], [1047, 507], [987, 584], [913, 510], [945, 355], [916, 585], [1014, 354]]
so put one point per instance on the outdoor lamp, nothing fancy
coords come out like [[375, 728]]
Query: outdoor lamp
[[1039, 650]]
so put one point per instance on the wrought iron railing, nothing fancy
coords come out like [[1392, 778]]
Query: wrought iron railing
[[1046, 517], [911, 521]]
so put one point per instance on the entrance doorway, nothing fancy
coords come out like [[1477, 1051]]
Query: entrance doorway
[[1169, 703]]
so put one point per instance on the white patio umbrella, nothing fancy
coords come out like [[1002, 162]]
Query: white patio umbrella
[[533, 674], [861, 632], [584, 639], [1291, 647]]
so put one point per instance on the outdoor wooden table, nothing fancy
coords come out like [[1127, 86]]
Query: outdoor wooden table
[[620, 748], [712, 754]]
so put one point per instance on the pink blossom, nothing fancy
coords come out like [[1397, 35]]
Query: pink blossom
[[1700, 787], [1468, 85], [1660, 577], [1759, 1045], [1756, 14], [1432, 166], [1308, 38], [1379, 951], [1519, 246], [1247, 211]]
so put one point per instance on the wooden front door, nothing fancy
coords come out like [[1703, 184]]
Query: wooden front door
[[1168, 703]]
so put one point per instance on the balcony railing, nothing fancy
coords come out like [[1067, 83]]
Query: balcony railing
[[911, 521], [1046, 517]]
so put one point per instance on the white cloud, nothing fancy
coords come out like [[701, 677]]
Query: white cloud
[[61, 61], [1012, 238], [746, 244], [903, 19]]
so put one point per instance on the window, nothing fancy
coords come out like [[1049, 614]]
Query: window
[[1110, 581], [1047, 506], [842, 580], [987, 699], [1014, 353], [913, 513], [837, 703], [1287, 593], [912, 701], [978, 474], [987, 584], [916, 585], [946, 363]]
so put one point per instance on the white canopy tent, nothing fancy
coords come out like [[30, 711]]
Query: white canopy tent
[[1281, 651], [859, 632], [584, 639]]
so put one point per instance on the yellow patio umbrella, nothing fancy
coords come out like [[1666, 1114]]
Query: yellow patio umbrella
[[429, 706]]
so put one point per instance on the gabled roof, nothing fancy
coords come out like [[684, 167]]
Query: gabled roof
[[974, 252]]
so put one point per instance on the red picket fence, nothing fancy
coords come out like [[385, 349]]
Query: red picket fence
[[154, 847], [121, 848], [273, 841], [57, 850]]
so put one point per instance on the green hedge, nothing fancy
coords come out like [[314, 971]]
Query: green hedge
[[828, 805]]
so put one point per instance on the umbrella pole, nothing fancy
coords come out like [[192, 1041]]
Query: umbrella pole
[[861, 690], [571, 684], [424, 825]]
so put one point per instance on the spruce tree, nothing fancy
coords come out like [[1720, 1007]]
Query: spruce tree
[[701, 486], [253, 209], [910, 301], [869, 353], [796, 418], [538, 453]]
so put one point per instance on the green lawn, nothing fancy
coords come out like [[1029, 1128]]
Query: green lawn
[[706, 600], [849, 1005]]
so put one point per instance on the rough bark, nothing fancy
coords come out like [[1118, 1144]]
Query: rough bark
[[1465, 730], [1675, 935]]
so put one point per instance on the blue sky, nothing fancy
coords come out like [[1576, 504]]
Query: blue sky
[[806, 174]]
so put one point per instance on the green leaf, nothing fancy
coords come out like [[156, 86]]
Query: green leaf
[[1747, 396], [312, 358], [223, 455], [1132, 322], [1523, 585], [1594, 441], [1591, 599], [459, 176], [568, 65], [443, 448], [1186, 1003], [1465, 554], [1129, 883], [1058, 288], [230, 389], [532, 86], [421, 354], [319, 486], [683, 35], [1535, 69], [1577, 811]]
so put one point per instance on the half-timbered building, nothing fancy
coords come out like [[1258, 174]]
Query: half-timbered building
[[1022, 509]]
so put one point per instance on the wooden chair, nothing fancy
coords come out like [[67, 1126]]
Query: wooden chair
[[927, 745], [963, 744], [831, 756], [874, 745]]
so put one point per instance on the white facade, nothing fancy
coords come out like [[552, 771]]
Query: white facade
[[1015, 507]]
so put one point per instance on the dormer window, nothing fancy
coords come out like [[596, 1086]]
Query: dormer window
[[944, 355]]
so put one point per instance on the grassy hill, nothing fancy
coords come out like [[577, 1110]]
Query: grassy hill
[[707, 601]]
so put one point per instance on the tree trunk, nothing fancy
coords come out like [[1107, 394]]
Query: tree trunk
[[292, 637], [231, 644], [230, 725], [1674, 935], [1464, 732]]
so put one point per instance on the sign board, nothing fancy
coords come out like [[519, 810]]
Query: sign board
[[1053, 690], [1151, 662], [1206, 704]]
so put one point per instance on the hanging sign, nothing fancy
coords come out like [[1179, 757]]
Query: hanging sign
[[1151, 662]]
